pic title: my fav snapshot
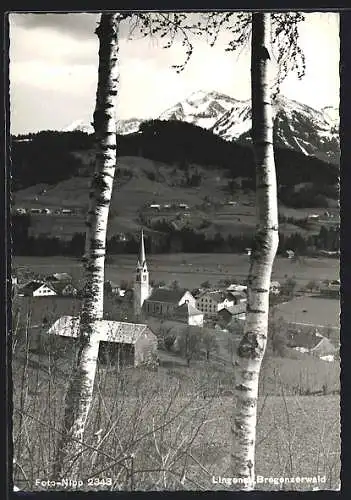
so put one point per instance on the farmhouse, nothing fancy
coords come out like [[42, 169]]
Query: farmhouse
[[238, 297], [127, 343], [313, 343], [64, 289], [112, 288], [37, 289], [210, 302], [227, 315]]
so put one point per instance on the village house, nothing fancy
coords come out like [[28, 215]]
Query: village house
[[64, 289], [228, 315], [238, 297], [36, 289], [210, 302], [111, 288], [122, 343], [313, 343], [188, 314]]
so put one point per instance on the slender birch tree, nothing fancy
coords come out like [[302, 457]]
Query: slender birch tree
[[80, 390], [267, 30], [253, 344], [79, 394]]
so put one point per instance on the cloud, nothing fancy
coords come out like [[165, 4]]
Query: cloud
[[57, 55], [79, 25]]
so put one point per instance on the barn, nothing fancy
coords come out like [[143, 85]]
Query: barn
[[123, 343]]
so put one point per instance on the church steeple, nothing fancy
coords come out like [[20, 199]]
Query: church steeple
[[142, 258], [141, 285]]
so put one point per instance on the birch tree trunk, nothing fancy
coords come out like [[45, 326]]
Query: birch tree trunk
[[253, 344], [80, 391]]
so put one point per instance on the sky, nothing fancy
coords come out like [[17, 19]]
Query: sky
[[54, 60]]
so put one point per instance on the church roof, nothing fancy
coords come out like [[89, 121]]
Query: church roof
[[166, 295], [110, 331]]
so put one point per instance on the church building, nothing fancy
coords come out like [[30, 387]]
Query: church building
[[162, 302]]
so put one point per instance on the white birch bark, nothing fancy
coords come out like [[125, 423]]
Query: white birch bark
[[80, 390], [253, 344]]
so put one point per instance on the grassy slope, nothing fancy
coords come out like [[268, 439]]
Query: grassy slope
[[296, 435], [134, 189]]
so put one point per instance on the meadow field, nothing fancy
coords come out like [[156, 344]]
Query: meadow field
[[190, 270], [168, 429]]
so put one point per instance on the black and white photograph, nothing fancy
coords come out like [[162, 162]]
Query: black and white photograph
[[175, 259]]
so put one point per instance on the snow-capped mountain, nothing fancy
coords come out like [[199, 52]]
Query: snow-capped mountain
[[296, 126], [129, 126], [79, 125], [201, 108], [124, 127]]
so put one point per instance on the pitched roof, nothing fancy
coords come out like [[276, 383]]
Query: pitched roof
[[236, 288], [313, 342], [110, 331], [236, 309], [166, 295], [32, 286], [59, 286], [216, 295], [187, 310]]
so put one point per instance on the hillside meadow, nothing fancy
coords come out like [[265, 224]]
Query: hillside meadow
[[141, 182], [170, 429]]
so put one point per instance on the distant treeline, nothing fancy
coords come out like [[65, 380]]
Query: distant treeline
[[169, 241], [48, 158]]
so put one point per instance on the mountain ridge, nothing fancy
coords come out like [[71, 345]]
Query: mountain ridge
[[296, 126]]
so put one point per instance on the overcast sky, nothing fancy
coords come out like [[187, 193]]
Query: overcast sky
[[53, 70]]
